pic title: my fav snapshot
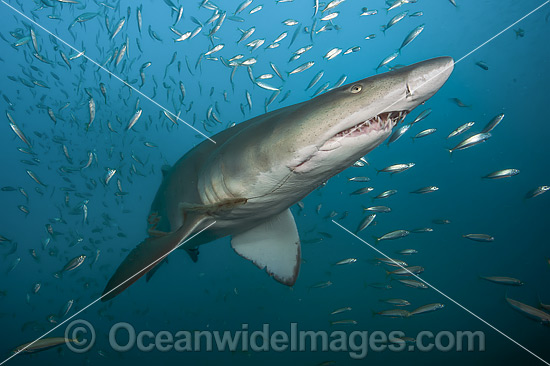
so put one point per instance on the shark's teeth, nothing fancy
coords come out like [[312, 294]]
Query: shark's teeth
[[380, 122]]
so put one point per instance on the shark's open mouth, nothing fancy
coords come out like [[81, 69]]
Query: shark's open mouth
[[380, 122]]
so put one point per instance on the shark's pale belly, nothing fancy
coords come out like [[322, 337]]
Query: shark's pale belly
[[261, 206]]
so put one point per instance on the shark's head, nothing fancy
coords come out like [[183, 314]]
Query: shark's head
[[344, 124], [293, 149]]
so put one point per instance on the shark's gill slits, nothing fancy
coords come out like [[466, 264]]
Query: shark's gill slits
[[379, 122]]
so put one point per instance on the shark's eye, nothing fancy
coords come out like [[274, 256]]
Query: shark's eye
[[356, 88]]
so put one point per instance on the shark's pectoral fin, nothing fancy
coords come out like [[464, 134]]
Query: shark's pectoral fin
[[147, 255], [273, 245]]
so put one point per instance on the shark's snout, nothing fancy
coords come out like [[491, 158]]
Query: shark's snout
[[427, 77]]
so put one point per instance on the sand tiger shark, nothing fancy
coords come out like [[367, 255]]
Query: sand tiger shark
[[246, 183]]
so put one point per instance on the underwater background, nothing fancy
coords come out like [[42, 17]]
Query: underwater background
[[66, 207]]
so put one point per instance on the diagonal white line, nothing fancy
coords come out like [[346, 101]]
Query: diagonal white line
[[474, 50], [428, 284], [102, 296], [106, 70], [444, 295], [502, 31]]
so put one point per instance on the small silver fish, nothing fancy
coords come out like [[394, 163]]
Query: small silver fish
[[91, 107], [344, 322], [322, 284], [377, 209], [365, 222], [345, 261], [330, 16], [362, 191], [422, 230], [413, 283], [537, 191], [214, 49], [109, 175], [332, 53], [398, 133], [531, 312], [66, 308], [396, 168], [73, 264], [424, 133], [35, 178], [315, 79], [302, 68], [493, 123], [134, 119], [504, 173], [393, 313], [385, 194], [471, 141], [503, 280], [424, 190], [341, 310], [461, 129], [391, 262], [427, 308], [387, 60], [412, 35], [398, 302], [392, 235], [422, 115], [393, 21], [479, 237], [407, 251], [406, 271]]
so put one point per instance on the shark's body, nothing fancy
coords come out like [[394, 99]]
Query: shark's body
[[247, 181]]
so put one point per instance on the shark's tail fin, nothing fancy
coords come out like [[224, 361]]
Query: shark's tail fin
[[146, 256], [153, 250]]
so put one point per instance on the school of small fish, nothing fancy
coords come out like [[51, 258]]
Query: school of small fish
[[86, 156]]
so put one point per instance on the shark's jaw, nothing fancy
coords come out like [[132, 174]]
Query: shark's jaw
[[360, 138], [380, 122]]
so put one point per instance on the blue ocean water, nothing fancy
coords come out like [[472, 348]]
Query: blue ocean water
[[222, 291]]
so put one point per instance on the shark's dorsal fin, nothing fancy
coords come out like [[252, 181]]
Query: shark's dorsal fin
[[273, 245], [165, 169]]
